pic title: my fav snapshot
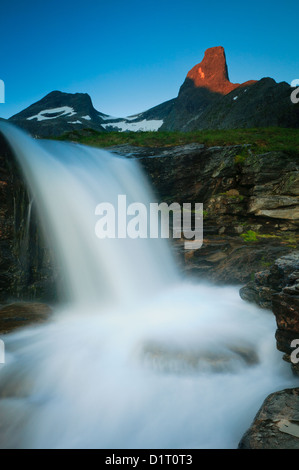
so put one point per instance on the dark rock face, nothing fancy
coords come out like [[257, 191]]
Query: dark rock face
[[278, 289], [285, 306], [25, 264], [261, 104], [237, 197], [58, 113], [191, 103], [282, 276], [276, 425]]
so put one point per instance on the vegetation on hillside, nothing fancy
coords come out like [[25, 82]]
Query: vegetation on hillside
[[261, 139]]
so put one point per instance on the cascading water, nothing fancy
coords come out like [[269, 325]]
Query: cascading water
[[137, 358]]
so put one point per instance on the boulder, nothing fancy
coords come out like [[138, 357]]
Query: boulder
[[276, 425]]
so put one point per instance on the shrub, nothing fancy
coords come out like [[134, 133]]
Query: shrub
[[249, 236]]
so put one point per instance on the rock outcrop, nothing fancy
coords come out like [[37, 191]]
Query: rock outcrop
[[212, 73], [276, 425], [278, 289], [240, 192]]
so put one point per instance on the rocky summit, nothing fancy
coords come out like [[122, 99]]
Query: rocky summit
[[208, 100], [212, 73]]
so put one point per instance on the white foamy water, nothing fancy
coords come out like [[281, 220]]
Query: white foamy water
[[138, 358]]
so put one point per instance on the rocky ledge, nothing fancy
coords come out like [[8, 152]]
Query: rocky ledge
[[22, 314]]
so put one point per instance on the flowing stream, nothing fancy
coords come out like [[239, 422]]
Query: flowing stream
[[136, 356]]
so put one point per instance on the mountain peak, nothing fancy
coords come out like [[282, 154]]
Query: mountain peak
[[212, 72], [59, 112]]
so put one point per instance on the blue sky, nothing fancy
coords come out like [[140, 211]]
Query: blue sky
[[132, 55]]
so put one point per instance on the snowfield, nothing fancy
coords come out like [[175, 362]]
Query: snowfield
[[144, 125], [118, 124], [59, 112]]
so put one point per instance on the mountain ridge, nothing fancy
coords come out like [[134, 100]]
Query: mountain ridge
[[206, 100]]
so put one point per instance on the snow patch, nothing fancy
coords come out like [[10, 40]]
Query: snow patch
[[63, 111], [131, 118], [74, 122], [88, 118], [105, 118], [113, 118], [144, 125], [235, 98]]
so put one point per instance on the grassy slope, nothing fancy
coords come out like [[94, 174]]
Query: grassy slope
[[262, 139]]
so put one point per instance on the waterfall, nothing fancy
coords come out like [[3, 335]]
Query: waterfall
[[138, 357], [67, 182]]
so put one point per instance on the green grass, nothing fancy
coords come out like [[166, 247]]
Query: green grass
[[261, 140], [289, 239]]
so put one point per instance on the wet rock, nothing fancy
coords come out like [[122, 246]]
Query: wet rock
[[271, 202], [276, 425], [261, 296], [228, 190], [278, 207], [229, 260], [21, 314], [170, 359], [278, 289], [26, 265], [280, 280]]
